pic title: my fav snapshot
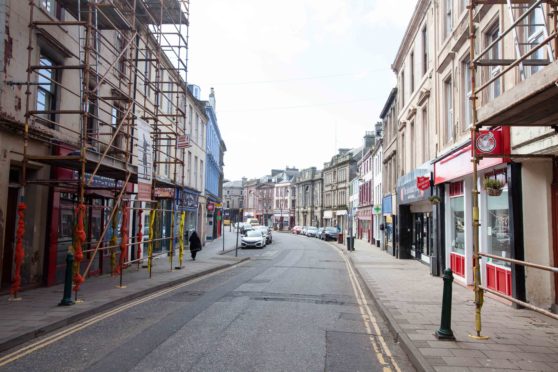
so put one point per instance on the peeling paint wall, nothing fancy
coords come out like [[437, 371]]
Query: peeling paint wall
[[2, 41]]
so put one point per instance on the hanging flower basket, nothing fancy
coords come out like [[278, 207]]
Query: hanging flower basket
[[435, 199], [493, 192], [493, 187]]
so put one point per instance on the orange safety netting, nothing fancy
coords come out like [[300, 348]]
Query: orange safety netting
[[19, 253], [139, 235], [123, 239], [78, 252]]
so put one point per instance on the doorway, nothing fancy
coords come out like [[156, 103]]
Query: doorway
[[9, 240], [422, 242]]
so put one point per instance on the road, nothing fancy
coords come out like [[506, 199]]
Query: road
[[296, 305]]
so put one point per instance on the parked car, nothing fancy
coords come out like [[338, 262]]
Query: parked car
[[266, 231], [304, 230], [329, 233], [245, 228], [296, 229], [311, 231], [319, 232], [253, 239]]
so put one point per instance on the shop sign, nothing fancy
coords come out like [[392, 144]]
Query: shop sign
[[210, 206], [377, 209], [218, 205], [164, 192], [186, 201], [387, 204], [328, 214], [488, 142], [423, 183], [458, 163], [407, 185]]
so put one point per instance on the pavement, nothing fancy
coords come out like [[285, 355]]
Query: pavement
[[410, 299], [407, 296]]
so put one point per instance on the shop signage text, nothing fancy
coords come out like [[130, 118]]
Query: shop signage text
[[423, 183]]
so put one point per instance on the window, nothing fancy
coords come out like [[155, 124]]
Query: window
[[412, 63], [448, 18], [535, 33], [147, 74], [46, 89], [424, 36], [412, 146], [189, 180], [402, 88], [494, 53], [195, 172], [115, 120], [197, 132], [457, 218], [497, 226], [448, 108], [201, 174], [92, 121], [402, 154], [425, 138], [121, 46], [466, 94], [51, 7]]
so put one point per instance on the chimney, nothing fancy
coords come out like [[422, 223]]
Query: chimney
[[379, 129], [212, 98], [368, 139]]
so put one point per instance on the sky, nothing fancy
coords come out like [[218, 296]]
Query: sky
[[294, 80]]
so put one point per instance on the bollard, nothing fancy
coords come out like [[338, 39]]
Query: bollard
[[445, 332], [67, 298]]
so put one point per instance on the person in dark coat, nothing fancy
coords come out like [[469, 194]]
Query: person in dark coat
[[195, 245]]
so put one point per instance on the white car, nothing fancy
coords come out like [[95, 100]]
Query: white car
[[266, 231], [253, 239]]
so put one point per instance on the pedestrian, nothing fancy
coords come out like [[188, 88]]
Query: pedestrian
[[195, 245]]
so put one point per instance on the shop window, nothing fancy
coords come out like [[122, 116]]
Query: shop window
[[457, 218], [498, 224]]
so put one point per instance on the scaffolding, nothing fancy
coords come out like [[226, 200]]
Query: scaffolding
[[108, 72], [533, 27]]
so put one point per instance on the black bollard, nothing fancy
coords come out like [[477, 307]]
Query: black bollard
[[67, 299], [445, 332]]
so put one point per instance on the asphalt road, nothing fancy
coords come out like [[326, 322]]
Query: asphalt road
[[295, 306]]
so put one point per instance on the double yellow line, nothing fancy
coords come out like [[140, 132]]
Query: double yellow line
[[44, 342], [370, 321]]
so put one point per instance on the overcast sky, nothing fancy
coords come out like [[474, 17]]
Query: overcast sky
[[294, 79]]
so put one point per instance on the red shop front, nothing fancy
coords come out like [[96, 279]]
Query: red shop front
[[453, 174]]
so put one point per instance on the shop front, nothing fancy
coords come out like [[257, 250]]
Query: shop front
[[498, 183], [388, 224], [328, 218], [415, 220], [187, 202], [364, 218]]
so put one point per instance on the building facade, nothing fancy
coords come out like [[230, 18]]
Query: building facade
[[389, 115], [213, 167]]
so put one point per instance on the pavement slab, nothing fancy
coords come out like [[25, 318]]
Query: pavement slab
[[410, 300]]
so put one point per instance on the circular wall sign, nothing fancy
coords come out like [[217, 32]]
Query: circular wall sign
[[486, 142]]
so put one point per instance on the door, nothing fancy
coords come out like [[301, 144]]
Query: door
[[9, 241], [418, 235]]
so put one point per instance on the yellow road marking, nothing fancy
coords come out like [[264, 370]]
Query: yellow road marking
[[37, 345], [369, 320]]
